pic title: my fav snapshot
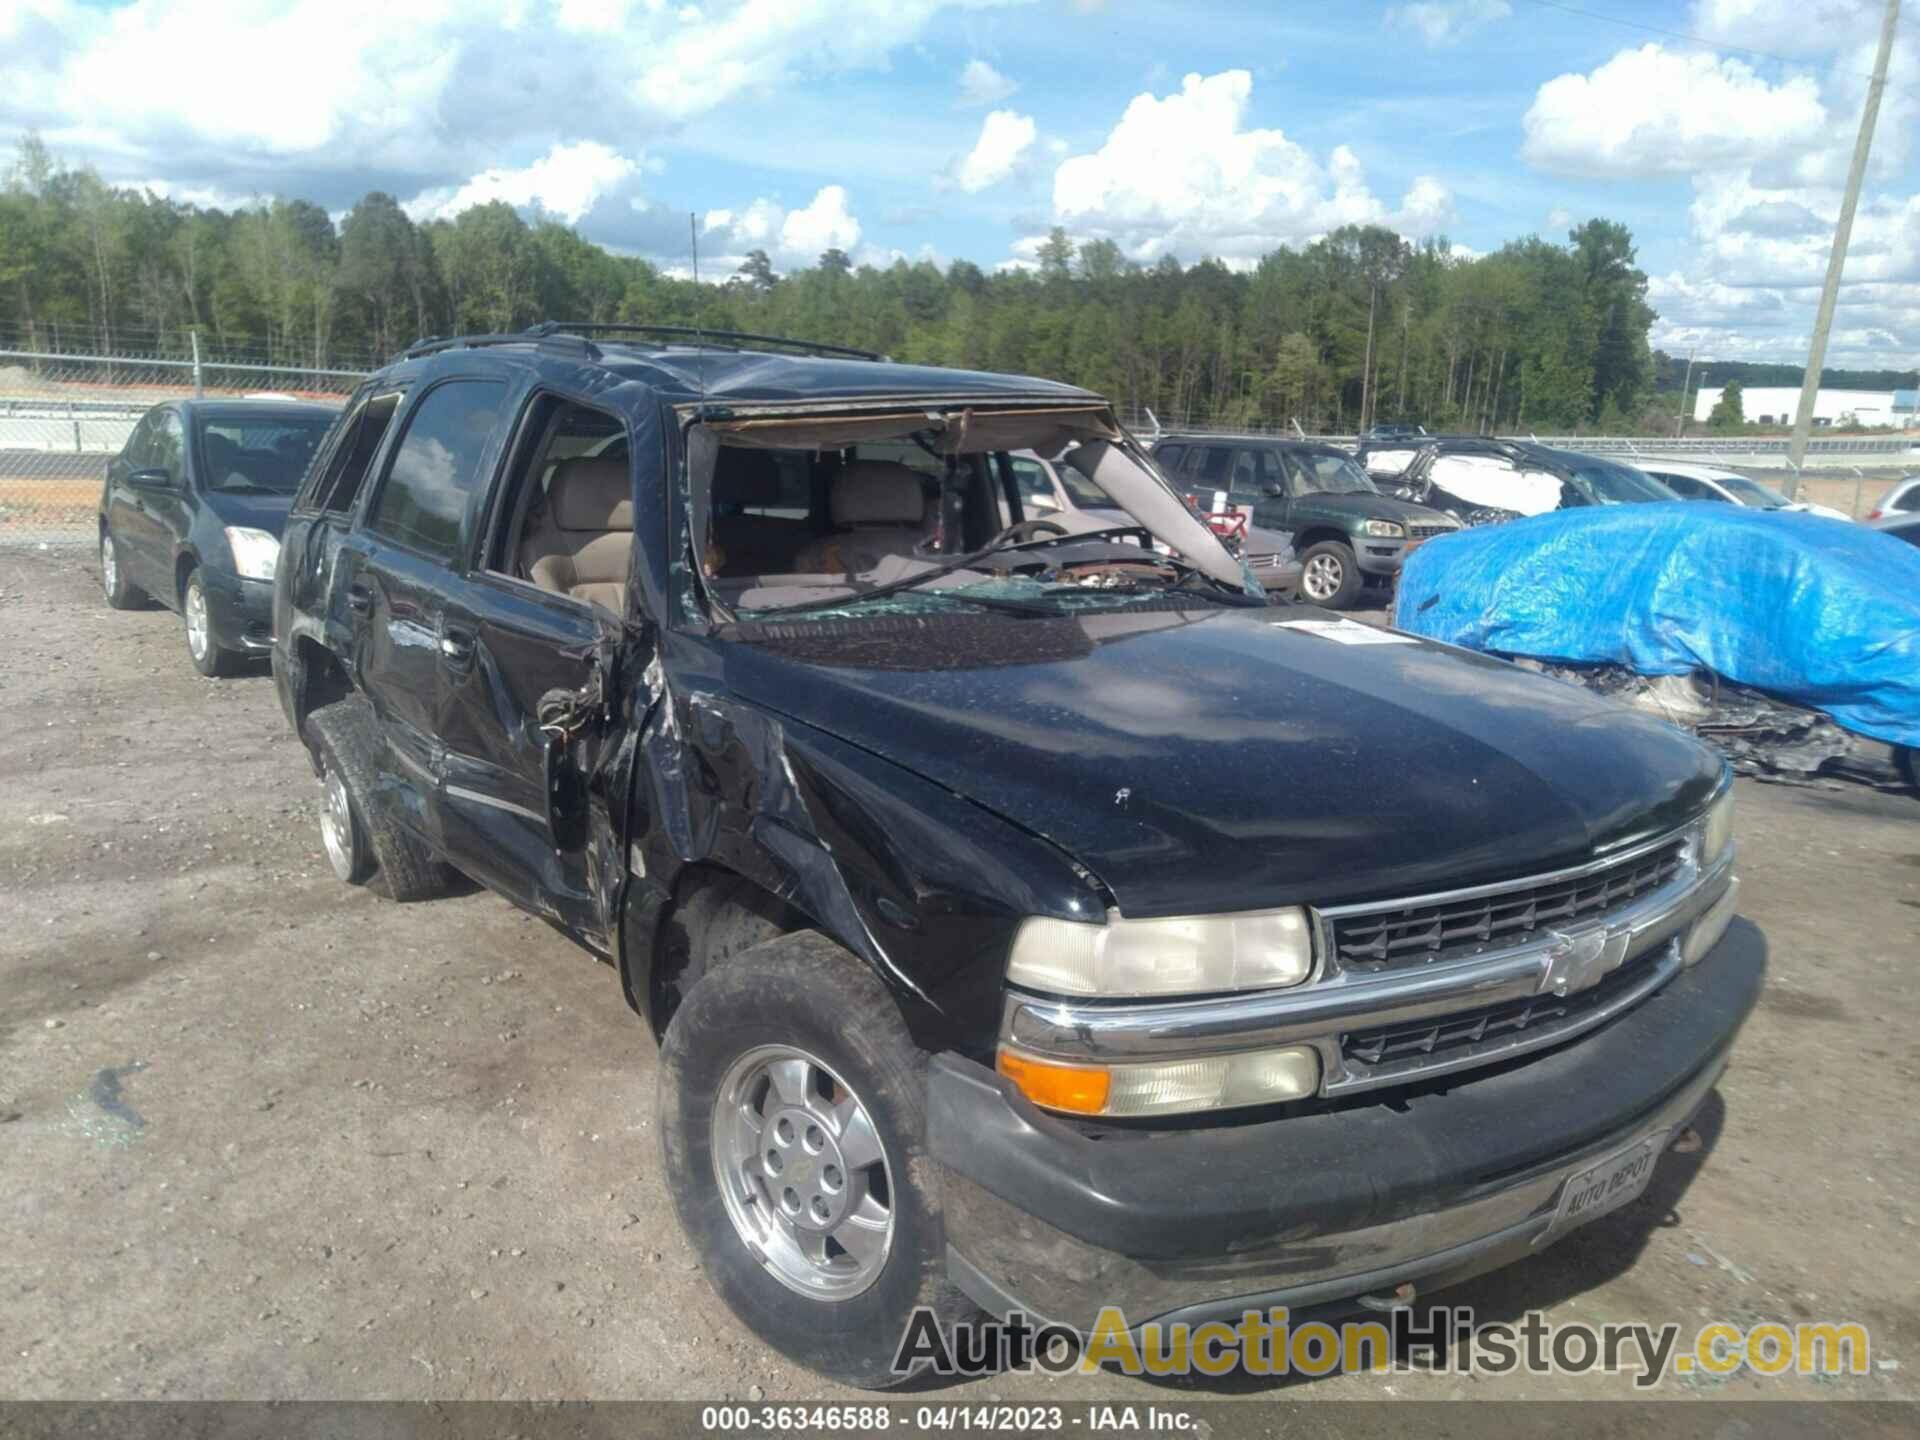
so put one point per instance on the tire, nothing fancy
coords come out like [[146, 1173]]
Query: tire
[[1908, 761], [343, 742], [208, 656], [113, 575], [801, 999], [1329, 576], [717, 921]]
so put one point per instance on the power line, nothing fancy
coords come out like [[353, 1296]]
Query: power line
[[1691, 39]]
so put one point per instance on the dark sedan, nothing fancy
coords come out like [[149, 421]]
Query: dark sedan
[[191, 516]]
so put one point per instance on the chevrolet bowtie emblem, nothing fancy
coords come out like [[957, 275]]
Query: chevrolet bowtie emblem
[[1576, 961]]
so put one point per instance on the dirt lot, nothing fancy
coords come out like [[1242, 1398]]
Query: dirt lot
[[265, 1135]]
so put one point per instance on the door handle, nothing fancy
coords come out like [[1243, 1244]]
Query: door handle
[[359, 599]]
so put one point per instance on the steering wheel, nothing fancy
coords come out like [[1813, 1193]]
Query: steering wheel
[[1025, 530]]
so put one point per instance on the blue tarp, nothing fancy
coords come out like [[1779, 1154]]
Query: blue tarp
[[1819, 612]]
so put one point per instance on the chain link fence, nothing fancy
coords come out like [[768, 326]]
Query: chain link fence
[[63, 417]]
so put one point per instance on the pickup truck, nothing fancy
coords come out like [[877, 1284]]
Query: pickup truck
[[1029, 921]]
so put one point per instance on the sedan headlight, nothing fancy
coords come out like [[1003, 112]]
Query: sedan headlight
[[1387, 529], [1716, 831], [1185, 955], [255, 552]]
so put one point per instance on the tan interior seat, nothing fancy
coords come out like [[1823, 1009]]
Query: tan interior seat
[[582, 541], [878, 510]]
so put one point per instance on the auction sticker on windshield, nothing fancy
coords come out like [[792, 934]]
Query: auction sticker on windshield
[[1346, 632]]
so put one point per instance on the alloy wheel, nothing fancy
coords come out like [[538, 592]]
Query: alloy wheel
[[196, 606], [802, 1173], [109, 566], [336, 824], [1322, 577]]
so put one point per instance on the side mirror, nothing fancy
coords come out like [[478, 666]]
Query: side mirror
[[151, 479], [1273, 488]]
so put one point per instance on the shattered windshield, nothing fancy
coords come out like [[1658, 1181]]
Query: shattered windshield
[[1324, 473], [917, 523]]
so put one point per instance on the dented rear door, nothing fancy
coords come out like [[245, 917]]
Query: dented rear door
[[520, 646]]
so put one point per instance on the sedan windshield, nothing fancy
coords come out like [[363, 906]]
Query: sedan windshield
[[1324, 473], [258, 452], [1752, 492], [1605, 484]]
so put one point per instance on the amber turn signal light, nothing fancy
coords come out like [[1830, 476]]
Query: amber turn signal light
[[1075, 1089]]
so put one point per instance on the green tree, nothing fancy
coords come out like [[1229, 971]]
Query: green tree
[[1729, 411]]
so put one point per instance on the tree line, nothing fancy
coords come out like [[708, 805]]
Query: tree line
[[1357, 327]]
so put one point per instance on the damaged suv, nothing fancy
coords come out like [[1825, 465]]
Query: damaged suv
[[1030, 920]]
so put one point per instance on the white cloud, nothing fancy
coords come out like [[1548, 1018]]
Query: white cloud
[[791, 238], [313, 96], [565, 182], [982, 85], [1653, 111], [1448, 22], [1005, 137], [1180, 175]]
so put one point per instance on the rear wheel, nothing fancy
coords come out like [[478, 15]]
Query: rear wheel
[[113, 576], [1328, 575], [359, 839], [210, 658], [793, 1121]]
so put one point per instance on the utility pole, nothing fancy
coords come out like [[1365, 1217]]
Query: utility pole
[[199, 389], [1837, 261], [1680, 420]]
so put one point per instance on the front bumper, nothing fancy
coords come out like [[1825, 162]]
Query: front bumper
[[1376, 555], [1320, 1209], [239, 611]]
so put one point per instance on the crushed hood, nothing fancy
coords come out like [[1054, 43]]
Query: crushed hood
[[1223, 759]]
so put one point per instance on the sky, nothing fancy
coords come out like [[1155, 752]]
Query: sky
[[1718, 130]]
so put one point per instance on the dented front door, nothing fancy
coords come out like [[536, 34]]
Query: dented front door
[[514, 795]]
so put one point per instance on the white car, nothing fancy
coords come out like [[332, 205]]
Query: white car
[[1902, 499], [1708, 482]]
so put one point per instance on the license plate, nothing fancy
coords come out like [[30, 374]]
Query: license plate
[[1618, 1180]]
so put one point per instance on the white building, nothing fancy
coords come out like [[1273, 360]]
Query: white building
[[1777, 405]]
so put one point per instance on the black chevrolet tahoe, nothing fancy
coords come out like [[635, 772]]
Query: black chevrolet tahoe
[[1029, 920]]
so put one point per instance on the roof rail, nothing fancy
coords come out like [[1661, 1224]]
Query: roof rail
[[701, 336], [569, 344]]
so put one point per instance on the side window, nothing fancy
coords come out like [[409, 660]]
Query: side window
[[346, 471], [1214, 463], [167, 444], [1910, 501], [1168, 458], [135, 452], [1244, 486], [1273, 478], [1036, 487], [424, 503]]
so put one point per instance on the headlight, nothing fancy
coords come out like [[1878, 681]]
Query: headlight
[[1187, 955], [255, 552], [1387, 528], [1716, 831], [1166, 1087]]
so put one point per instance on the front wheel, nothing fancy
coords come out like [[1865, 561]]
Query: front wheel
[[793, 1125], [210, 658], [1328, 575]]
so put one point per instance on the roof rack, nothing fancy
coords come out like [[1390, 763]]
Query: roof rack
[[555, 340], [700, 335]]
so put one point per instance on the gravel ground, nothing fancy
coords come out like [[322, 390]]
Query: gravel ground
[[263, 1135]]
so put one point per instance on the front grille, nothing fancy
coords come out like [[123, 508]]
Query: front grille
[[1391, 937], [1427, 532], [1435, 1039]]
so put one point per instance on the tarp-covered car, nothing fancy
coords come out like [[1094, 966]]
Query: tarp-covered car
[[1821, 615]]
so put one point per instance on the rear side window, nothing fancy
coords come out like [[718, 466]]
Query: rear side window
[[359, 442], [1909, 501], [1168, 457], [1214, 463], [424, 503]]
